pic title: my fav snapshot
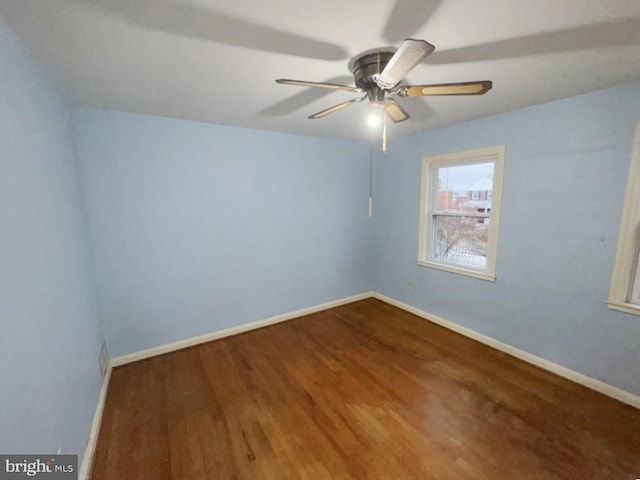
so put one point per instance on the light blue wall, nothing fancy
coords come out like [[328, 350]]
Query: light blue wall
[[564, 185], [49, 376], [199, 227]]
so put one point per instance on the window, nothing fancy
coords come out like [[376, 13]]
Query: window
[[625, 284], [458, 230]]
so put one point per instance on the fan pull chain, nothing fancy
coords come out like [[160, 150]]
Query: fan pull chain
[[370, 181], [384, 133]]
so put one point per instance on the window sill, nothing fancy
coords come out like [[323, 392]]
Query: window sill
[[624, 307], [490, 277]]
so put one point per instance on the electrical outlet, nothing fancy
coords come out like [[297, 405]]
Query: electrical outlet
[[103, 360], [412, 287]]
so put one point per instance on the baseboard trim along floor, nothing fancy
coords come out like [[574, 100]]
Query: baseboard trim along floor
[[577, 377], [227, 332], [87, 459]]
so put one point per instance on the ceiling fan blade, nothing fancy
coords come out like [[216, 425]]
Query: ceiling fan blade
[[410, 54], [332, 86], [335, 108], [302, 98], [442, 89], [395, 110]]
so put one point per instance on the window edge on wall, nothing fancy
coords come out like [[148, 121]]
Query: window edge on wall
[[624, 307], [626, 251], [495, 153], [482, 275]]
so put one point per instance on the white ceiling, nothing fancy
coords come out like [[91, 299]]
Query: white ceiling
[[216, 61]]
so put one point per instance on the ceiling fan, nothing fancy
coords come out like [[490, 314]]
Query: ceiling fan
[[379, 74]]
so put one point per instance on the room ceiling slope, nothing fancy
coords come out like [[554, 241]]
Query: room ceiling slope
[[216, 62]]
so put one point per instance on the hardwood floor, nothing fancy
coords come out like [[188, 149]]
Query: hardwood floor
[[361, 391]]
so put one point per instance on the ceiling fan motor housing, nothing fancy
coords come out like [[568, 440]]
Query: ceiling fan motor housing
[[366, 68]]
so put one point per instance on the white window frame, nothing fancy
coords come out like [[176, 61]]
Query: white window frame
[[625, 273], [428, 194]]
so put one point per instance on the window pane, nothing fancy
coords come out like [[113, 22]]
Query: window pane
[[464, 188], [461, 240], [460, 211]]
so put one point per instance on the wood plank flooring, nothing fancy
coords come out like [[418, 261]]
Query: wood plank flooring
[[362, 391]]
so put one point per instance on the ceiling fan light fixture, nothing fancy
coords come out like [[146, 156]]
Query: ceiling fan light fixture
[[376, 114]]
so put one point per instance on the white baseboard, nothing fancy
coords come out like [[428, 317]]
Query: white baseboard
[[592, 383], [577, 377], [207, 337], [87, 459]]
